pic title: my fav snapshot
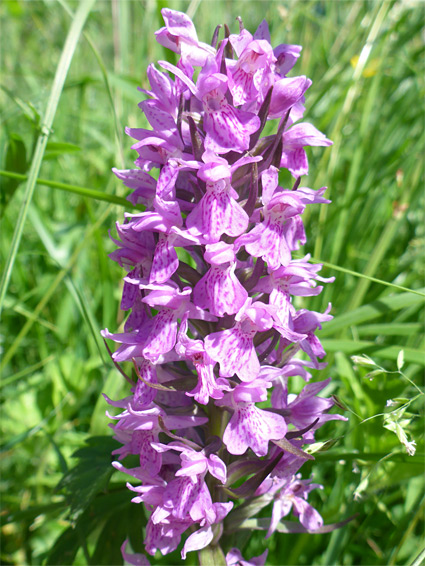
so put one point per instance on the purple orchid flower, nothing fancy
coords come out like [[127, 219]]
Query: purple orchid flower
[[235, 558], [251, 427], [215, 330], [294, 495], [194, 350], [252, 74], [216, 513], [273, 239], [234, 348], [179, 35], [219, 290], [133, 559], [226, 127], [294, 140]]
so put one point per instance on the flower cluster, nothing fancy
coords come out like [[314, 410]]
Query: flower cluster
[[214, 328]]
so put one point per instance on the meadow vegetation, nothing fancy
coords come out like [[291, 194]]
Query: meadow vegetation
[[61, 501]]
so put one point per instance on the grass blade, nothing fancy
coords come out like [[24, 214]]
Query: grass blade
[[82, 191], [371, 311], [27, 371], [351, 347], [380, 251], [104, 73], [368, 278], [390, 329], [401, 457], [420, 558], [50, 292], [77, 25], [377, 21]]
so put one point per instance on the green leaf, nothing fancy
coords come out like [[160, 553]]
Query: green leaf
[[212, 555], [367, 279], [113, 534], [57, 149], [371, 311], [249, 487], [65, 548], [237, 516], [21, 437], [32, 512], [90, 476], [16, 160], [69, 542], [113, 388], [290, 448], [28, 371], [27, 108], [390, 329], [401, 457], [240, 468], [76, 189], [350, 347], [291, 526]]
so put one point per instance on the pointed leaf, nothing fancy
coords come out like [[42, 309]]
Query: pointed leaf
[[288, 447], [299, 433], [248, 488], [212, 555], [237, 516], [292, 526], [373, 310], [91, 474]]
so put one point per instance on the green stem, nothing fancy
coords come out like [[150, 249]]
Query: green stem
[[371, 457], [82, 191], [212, 555], [364, 276], [217, 420]]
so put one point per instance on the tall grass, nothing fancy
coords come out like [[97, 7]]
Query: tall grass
[[366, 61]]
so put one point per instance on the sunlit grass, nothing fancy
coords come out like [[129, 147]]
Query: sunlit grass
[[366, 61]]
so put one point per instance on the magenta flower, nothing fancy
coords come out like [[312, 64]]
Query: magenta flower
[[134, 559], [235, 558], [217, 213], [251, 76], [234, 348], [179, 35], [251, 427], [209, 516], [273, 238], [194, 351], [294, 140], [219, 290], [215, 330], [294, 495]]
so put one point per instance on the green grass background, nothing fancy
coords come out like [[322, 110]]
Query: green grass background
[[366, 60]]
